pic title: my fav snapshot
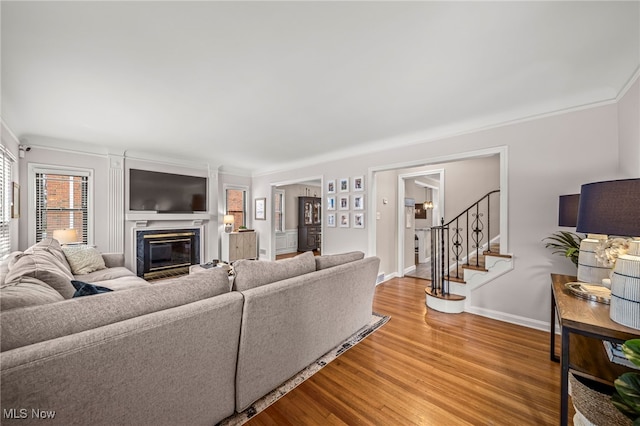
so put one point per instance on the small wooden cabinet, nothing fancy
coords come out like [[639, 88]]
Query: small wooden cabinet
[[309, 223], [239, 245]]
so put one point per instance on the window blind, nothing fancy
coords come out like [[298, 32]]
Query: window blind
[[6, 164], [61, 203]]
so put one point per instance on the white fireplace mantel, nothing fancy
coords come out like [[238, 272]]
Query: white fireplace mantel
[[142, 219]]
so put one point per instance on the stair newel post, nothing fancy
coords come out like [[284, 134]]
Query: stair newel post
[[445, 287], [434, 258], [489, 223], [442, 255], [467, 230]]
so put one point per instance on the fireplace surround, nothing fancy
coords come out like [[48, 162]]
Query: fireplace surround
[[161, 252]]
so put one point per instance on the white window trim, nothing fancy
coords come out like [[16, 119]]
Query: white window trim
[[7, 196], [247, 204], [34, 168], [282, 210]]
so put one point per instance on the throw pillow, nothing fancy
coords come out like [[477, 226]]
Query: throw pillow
[[86, 289], [83, 259], [256, 273]]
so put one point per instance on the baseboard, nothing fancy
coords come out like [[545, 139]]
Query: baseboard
[[386, 278], [510, 318]]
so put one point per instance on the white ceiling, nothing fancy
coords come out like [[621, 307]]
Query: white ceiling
[[264, 85]]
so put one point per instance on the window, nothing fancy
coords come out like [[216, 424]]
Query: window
[[6, 191], [278, 215], [236, 203], [61, 202]]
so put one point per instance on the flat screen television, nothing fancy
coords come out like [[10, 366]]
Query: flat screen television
[[166, 192]]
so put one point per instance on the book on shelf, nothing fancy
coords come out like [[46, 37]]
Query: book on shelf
[[615, 354]]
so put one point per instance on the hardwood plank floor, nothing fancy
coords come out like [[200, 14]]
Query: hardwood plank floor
[[429, 368]]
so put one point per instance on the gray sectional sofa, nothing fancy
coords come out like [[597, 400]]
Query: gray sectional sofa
[[182, 351]]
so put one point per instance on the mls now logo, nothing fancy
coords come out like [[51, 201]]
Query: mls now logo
[[24, 413]]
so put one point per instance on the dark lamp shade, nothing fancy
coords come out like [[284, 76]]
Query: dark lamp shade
[[568, 210], [610, 208]]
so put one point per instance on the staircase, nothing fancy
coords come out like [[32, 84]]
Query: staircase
[[465, 256]]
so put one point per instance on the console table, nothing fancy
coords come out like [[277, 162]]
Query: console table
[[584, 324]]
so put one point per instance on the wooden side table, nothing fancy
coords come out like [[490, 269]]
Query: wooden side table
[[584, 324]]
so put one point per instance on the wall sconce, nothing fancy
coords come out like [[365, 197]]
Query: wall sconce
[[228, 222], [66, 236]]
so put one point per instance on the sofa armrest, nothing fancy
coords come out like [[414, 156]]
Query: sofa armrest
[[112, 260]]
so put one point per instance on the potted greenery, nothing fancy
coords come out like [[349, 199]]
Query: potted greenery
[[565, 243], [627, 396]]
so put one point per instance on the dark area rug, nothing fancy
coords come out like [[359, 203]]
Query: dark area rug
[[375, 323]]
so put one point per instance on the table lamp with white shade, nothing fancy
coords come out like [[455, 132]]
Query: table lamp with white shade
[[228, 222], [612, 207], [66, 236]]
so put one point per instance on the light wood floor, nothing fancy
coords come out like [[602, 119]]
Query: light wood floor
[[429, 368]]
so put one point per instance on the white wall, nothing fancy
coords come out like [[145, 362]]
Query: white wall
[[629, 131], [547, 157]]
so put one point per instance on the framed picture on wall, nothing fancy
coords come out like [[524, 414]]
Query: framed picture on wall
[[343, 202], [358, 183], [358, 202], [358, 220], [261, 209], [344, 185], [344, 220], [331, 186], [331, 220], [331, 203]]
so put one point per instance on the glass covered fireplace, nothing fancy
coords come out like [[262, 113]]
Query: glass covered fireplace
[[166, 252]]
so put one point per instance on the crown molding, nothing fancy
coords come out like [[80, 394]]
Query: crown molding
[[634, 77]]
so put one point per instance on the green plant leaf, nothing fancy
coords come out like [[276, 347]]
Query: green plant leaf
[[566, 244], [619, 403], [628, 389], [631, 349]]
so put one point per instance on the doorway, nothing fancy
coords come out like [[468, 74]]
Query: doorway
[[286, 228], [389, 239], [423, 210]]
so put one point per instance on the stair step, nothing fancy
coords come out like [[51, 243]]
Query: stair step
[[496, 254], [452, 297], [476, 268], [453, 278]]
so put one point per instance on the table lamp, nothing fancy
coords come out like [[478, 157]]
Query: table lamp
[[611, 207], [65, 236], [228, 222], [568, 210]]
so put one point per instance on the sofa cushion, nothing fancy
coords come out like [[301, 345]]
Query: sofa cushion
[[255, 273], [44, 266], [83, 259], [22, 327], [106, 274], [331, 260], [7, 263], [123, 283], [86, 289], [26, 291], [52, 247]]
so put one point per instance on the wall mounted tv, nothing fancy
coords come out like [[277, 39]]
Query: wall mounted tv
[[166, 192]]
